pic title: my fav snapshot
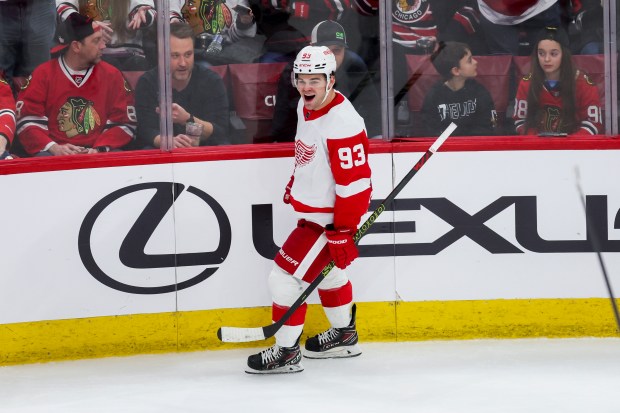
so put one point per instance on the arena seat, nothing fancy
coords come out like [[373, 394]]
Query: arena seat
[[493, 73], [254, 87]]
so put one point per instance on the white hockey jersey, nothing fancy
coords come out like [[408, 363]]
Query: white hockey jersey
[[332, 176]]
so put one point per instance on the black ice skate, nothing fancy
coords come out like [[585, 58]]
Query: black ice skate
[[275, 360], [334, 343]]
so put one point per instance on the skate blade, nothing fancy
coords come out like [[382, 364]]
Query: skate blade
[[334, 353], [296, 368]]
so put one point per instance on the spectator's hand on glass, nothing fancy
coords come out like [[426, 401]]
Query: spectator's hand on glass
[[139, 18]]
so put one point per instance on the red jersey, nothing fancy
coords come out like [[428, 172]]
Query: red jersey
[[7, 111], [91, 108], [332, 176], [588, 111]]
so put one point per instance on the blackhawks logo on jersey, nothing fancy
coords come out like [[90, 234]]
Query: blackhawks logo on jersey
[[77, 117], [99, 10], [410, 10], [552, 119], [210, 16]]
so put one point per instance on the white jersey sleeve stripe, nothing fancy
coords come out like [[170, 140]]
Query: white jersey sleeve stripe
[[354, 188]]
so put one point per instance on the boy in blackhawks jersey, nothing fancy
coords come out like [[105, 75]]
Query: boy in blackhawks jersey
[[458, 97], [330, 191], [75, 104]]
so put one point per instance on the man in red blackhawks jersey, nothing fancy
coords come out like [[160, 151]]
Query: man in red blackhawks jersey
[[76, 104], [330, 191]]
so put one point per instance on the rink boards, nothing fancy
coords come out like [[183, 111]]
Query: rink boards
[[151, 252]]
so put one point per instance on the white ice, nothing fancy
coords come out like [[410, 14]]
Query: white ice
[[530, 375]]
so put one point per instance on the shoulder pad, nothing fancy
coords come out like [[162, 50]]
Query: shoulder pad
[[126, 85]]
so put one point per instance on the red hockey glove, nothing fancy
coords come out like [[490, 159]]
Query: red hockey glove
[[341, 246], [287, 192]]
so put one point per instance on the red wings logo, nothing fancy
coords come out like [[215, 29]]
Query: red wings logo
[[304, 154]]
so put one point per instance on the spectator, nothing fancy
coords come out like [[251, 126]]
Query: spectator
[[354, 82], [7, 119], [76, 103], [122, 24], [282, 40], [503, 22], [26, 34], [288, 24], [555, 98], [417, 26], [225, 29], [198, 96], [458, 98], [586, 29]]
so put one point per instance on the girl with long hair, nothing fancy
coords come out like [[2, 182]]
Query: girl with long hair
[[555, 98]]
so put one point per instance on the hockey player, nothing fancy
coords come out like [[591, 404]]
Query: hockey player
[[555, 98], [7, 118], [76, 103], [330, 191]]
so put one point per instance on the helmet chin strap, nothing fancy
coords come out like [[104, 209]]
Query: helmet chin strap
[[327, 89]]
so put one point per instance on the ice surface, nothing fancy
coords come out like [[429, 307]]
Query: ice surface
[[531, 375]]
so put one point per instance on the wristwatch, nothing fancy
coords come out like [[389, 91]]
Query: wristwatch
[[191, 119]]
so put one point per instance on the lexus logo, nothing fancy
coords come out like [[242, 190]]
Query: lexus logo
[[132, 249]]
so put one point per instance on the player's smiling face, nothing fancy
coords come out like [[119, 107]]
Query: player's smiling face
[[311, 87]]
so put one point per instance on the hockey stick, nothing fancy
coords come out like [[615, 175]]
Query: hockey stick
[[242, 334], [594, 241]]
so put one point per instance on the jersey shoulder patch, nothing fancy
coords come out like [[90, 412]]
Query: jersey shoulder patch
[[26, 83], [579, 74]]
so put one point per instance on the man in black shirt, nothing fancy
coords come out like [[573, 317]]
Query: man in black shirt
[[458, 98], [198, 96]]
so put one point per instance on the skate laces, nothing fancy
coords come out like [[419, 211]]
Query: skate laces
[[328, 335], [271, 354]]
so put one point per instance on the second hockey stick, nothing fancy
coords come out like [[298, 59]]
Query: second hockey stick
[[246, 334], [594, 241]]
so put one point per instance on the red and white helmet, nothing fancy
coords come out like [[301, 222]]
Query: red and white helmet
[[314, 59]]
